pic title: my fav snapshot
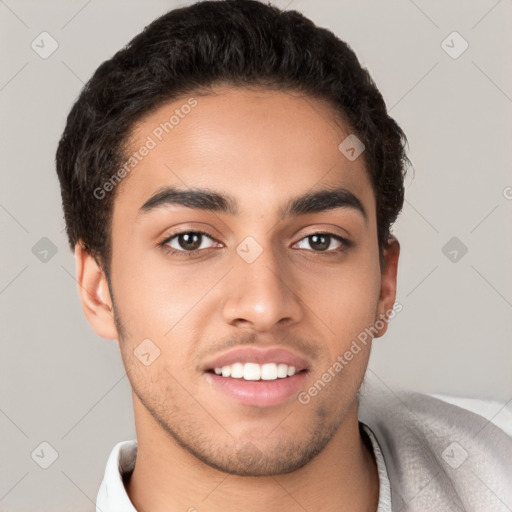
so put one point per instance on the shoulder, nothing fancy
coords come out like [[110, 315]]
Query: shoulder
[[438, 456]]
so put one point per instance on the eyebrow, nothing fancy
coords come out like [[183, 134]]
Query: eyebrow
[[214, 201]]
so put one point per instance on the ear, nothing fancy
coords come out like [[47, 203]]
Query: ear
[[387, 296], [94, 294]]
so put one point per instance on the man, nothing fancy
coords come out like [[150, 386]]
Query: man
[[229, 181]]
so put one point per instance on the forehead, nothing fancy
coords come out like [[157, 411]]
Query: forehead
[[259, 146]]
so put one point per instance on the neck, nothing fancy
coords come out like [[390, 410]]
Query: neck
[[341, 478]]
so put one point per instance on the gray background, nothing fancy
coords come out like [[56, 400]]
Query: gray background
[[63, 384]]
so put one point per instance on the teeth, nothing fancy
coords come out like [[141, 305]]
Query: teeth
[[252, 371], [237, 370], [269, 371], [282, 370], [255, 371]]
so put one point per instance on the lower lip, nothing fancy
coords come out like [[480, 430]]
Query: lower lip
[[259, 393]]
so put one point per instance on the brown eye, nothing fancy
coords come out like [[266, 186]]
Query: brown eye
[[323, 242], [319, 242], [187, 241]]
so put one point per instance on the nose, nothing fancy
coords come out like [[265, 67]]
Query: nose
[[261, 294]]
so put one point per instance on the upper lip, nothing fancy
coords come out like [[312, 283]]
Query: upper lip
[[258, 355]]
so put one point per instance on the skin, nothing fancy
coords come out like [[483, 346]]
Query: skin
[[262, 147]]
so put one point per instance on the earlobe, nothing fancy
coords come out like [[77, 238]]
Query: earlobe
[[94, 294], [388, 284]]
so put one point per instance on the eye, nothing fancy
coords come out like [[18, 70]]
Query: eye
[[187, 242], [323, 242]]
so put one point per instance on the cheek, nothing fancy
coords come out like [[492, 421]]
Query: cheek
[[345, 309], [153, 294], [163, 303], [158, 307], [344, 297]]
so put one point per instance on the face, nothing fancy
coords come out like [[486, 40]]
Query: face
[[250, 263]]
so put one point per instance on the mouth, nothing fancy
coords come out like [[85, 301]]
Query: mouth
[[257, 376], [256, 385]]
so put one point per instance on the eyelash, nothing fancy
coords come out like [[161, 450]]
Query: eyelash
[[346, 244]]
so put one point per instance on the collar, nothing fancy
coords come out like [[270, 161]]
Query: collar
[[112, 495]]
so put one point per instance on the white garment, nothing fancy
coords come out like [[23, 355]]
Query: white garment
[[431, 457], [112, 495], [439, 457]]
